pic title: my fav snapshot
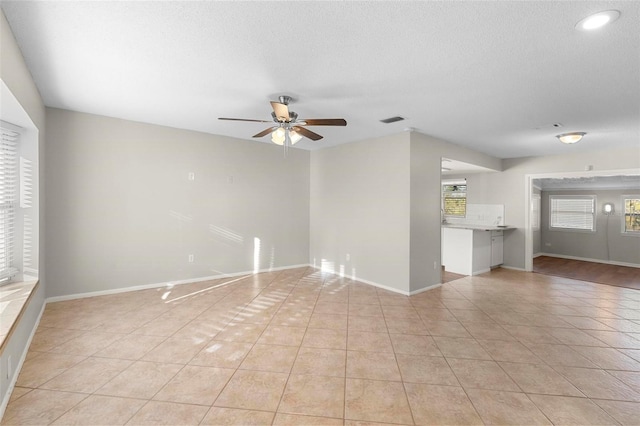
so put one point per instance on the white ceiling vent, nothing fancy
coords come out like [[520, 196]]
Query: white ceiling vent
[[392, 119]]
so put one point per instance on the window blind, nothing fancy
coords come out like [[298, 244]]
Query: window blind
[[9, 198], [572, 213]]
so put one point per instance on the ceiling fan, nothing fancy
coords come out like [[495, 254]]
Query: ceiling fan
[[288, 125]]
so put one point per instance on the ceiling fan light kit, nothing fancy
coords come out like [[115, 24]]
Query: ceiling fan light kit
[[278, 136], [570, 138], [289, 130]]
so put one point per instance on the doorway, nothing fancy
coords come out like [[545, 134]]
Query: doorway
[[595, 244]]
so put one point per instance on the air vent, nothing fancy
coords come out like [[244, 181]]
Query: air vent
[[392, 119]]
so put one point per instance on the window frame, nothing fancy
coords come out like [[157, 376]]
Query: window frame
[[623, 214], [594, 203], [9, 204], [536, 211], [457, 182]]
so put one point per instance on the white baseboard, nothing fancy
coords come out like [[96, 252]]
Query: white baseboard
[[14, 378], [538, 255], [513, 268], [422, 290], [482, 271], [375, 284], [586, 259], [231, 275], [382, 286], [167, 284]]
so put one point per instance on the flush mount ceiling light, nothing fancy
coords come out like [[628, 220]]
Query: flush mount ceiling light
[[570, 138], [597, 20]]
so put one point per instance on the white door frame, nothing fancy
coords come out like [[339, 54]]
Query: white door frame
[[528, 184]]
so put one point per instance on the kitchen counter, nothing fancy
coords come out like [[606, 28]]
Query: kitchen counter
[[477, 227]]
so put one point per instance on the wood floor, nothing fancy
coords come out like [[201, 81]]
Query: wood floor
[[601, 273], [619, 276]]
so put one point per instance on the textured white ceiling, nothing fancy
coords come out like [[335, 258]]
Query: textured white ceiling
[[493, 76]]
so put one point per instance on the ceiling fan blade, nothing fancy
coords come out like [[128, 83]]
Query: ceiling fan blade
[[325, 122], [281, 111], [264, 132], [244, 119], [307, 133]]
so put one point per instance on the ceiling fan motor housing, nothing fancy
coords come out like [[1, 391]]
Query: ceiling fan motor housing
[[285, 99], [293, 116]]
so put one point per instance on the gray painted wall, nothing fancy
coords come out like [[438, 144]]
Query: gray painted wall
[[379, 202], [122, 211], [593, 245], [16, 76], [360, 210], [425, 214]]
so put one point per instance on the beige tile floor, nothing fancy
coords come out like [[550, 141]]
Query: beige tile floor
[[302, 347]]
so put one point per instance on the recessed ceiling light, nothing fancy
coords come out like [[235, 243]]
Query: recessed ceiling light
[[597, 20], [570, 138]]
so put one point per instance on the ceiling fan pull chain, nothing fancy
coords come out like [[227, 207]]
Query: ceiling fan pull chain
[[287, 141]]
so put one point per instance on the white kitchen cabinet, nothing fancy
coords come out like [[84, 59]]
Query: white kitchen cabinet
[[466, 251], [497, 248], [472, 250]]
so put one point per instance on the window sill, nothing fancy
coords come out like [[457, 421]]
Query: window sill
[[582, 231], [14, 299]]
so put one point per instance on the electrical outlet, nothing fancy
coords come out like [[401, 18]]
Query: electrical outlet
[[348, 257], [190, 258], [192, 176], [435, 265]]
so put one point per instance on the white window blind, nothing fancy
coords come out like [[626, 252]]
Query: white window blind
[[9, 198], [572, 212]]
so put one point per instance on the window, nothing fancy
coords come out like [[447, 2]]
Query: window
[[8, 202], [572, 212], [631, 214], [454, 198], [535, 212]]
